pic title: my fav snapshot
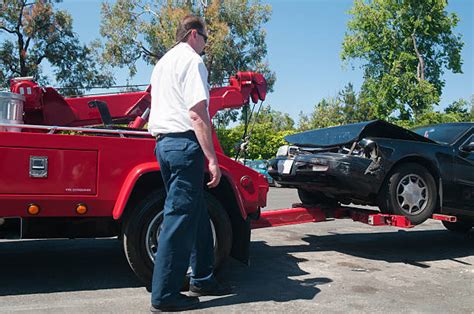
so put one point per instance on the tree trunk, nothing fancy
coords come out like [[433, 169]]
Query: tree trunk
[[21, 43], [420, 69]]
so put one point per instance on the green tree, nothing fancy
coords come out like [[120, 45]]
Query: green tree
[[266, 132], [279, 121], [223, 118], [144, 30], [263, 144], [345, 108], [404, 47], [304, 122], [353, 109], [471, 116], [34, 32], [326, 113], [459, 111], [460, 108]]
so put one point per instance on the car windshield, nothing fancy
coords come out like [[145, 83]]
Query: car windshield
[[442, 133]]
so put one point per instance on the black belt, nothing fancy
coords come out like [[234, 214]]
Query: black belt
[[187, 134]]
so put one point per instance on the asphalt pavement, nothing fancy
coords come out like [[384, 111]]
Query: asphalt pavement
[[328, 267]]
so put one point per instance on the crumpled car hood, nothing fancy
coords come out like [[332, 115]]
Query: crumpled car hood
[[345, 134]]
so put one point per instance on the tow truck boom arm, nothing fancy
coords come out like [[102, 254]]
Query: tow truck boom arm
[[45, 106]]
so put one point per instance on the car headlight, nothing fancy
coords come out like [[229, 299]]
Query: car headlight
[[283, 151], [287, 150]]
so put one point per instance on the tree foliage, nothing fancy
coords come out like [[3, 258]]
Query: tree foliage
[[35, 32], [461, 108], [343, 109], [404, 48], [266, 131], [327, 112], [277, 120], [459, 111], [471, 116], [144, 30]]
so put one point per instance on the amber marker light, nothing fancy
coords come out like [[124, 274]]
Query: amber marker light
[[33, 209], [81, 209]]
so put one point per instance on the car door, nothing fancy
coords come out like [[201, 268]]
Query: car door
[[464, 177]]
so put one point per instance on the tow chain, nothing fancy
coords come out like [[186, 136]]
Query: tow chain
[[243, 146]]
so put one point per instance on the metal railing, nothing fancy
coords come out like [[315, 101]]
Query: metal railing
[[53, 129]]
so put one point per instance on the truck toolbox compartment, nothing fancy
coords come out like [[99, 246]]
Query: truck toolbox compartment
[[47, 171]]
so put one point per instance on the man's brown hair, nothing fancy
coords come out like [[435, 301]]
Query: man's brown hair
[[188, 23]]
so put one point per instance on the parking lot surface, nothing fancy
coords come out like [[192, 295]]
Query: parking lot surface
[[332, 267]]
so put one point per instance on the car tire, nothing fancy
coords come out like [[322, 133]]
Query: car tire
[[409, 191], [139, 233], [315, 197], [458, 226]]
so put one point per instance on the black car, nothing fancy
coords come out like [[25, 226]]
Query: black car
[[408, 172]]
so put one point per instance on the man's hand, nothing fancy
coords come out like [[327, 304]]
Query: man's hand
[[202, 127], [215, 173]]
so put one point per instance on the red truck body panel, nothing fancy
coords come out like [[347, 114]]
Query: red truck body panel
[[97, 170]]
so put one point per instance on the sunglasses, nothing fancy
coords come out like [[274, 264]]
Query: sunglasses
[[204, 36]]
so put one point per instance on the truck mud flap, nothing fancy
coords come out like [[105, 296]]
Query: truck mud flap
[[241, 240]]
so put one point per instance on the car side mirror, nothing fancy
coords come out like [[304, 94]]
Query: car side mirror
[[468, 147]]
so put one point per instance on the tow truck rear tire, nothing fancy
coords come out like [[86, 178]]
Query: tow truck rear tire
[[147, 216], [458, 226], [409, 191]]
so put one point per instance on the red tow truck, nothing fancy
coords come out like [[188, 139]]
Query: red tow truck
[[69, 171]]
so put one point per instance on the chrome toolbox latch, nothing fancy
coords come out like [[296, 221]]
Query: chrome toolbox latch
[[38, 167]]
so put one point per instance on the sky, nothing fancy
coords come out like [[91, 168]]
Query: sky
[[304, 39]]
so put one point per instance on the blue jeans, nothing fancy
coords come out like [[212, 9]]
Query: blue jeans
[[185, 236]]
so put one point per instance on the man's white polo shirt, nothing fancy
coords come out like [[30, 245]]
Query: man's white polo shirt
[[178, 82]]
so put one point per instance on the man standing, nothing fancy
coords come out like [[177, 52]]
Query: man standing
[[180, 120]]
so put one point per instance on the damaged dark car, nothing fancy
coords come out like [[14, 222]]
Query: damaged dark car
[[407, 172]]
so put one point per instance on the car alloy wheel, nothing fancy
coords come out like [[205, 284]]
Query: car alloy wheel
[[409, 190], [412, 194]]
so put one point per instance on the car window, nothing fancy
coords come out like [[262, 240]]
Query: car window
[[250, 164], [470, 140], [256, 164], [443, 133]]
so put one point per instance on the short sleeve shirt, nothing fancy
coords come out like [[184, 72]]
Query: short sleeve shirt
[[178, 82]]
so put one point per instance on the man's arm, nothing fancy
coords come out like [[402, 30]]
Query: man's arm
[[202, 127]]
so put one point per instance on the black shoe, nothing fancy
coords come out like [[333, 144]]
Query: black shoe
[[215, 290], [182, 304], [185, 286]]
